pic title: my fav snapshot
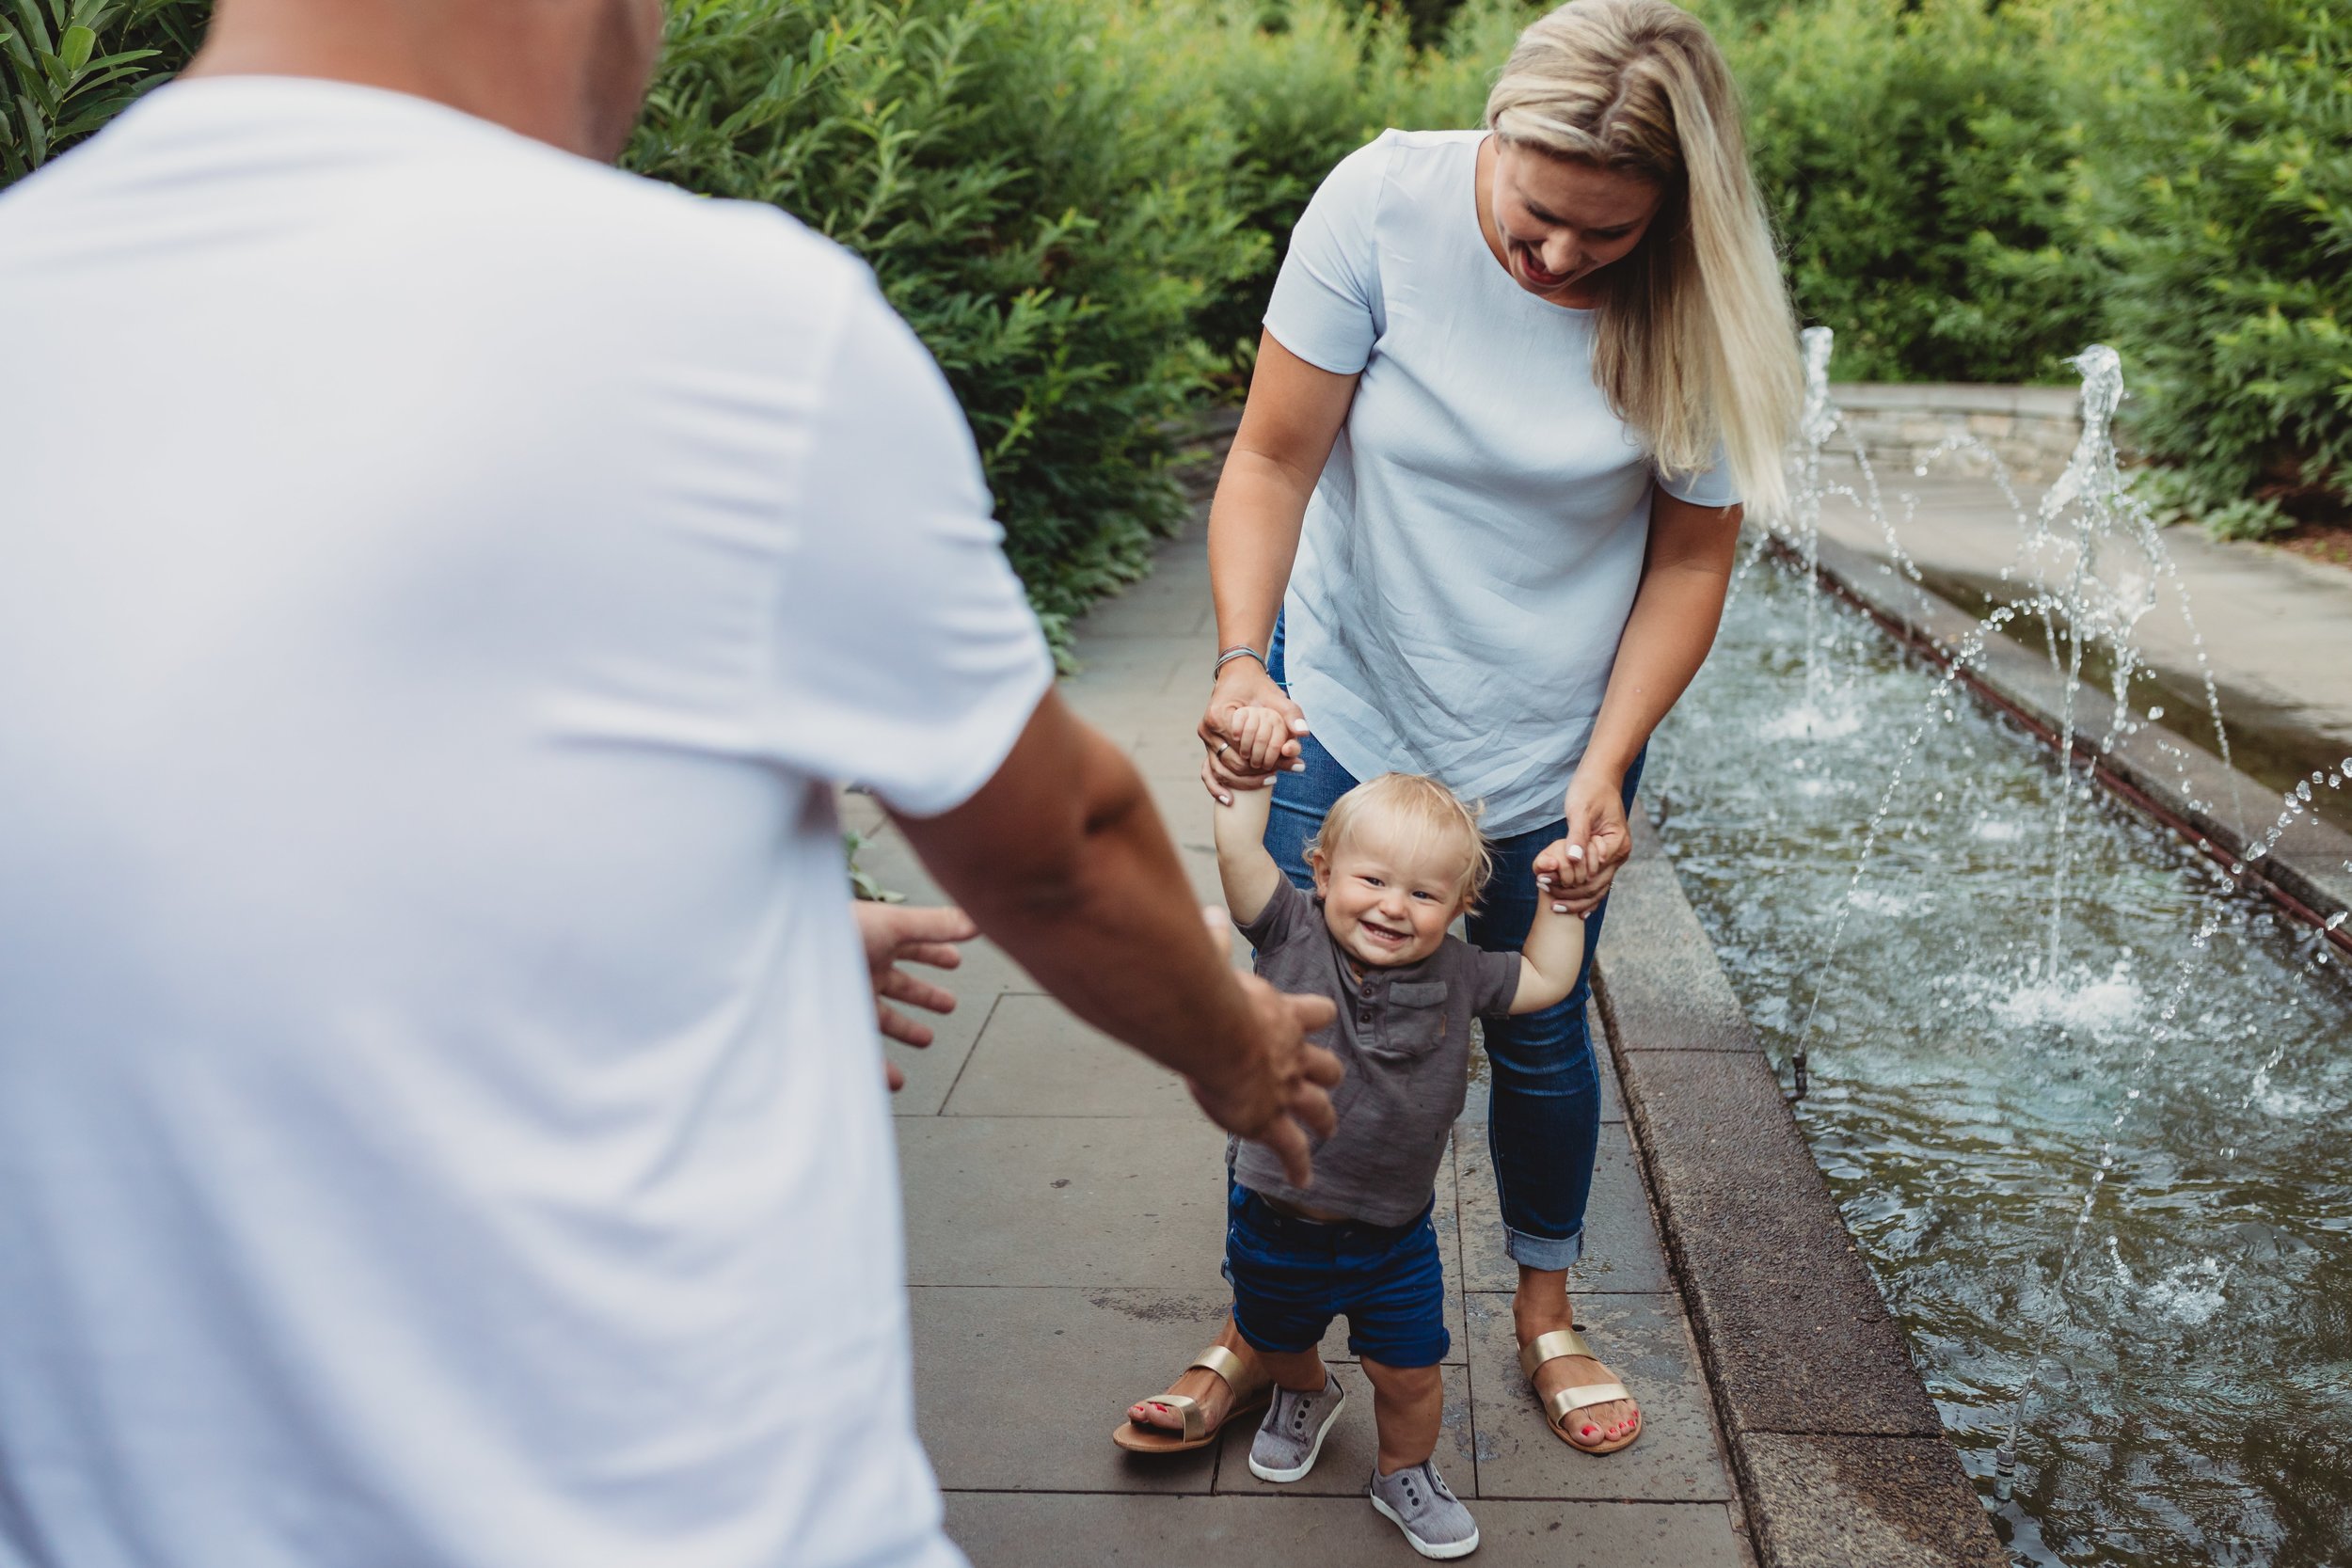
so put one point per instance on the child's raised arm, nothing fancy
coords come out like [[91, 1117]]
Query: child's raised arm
[[1244, 866], [1554, 953]]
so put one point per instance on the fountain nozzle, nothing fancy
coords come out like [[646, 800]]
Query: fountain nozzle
[[2004, 1472], [1796, 1068]]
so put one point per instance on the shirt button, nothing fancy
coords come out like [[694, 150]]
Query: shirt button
[[1364, 1017]]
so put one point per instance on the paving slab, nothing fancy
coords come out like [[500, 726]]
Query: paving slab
[[1646, 1343], [2275, 629], [1096, 1201], [1002, 1529], [1850, 1502], [1348, 1453], [1018, 1389], [1621, 1249], [1035, 1058]]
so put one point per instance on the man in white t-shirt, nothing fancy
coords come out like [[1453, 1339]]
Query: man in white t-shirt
[[439, 576]]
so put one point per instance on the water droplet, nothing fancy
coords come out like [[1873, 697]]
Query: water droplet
[[2303, 788], [2333, 921], [2156, 712]]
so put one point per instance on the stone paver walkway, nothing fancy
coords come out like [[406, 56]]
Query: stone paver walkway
[[1065, 1219]]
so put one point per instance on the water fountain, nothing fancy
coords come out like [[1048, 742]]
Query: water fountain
[[2112, 1065]]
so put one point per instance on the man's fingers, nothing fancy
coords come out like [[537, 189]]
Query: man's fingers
[[899, 1027], [1312, 1013], [927, 923], [937, 955], [917, 993], [892, 1076], [1289, 1143], [1311, 1105]]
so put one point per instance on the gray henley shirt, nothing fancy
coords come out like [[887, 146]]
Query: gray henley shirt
[[1402, 1034]]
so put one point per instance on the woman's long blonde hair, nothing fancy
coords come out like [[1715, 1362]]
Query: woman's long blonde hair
[[1697, 343]]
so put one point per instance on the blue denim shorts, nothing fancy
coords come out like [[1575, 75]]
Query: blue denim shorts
[[1292, 1276]]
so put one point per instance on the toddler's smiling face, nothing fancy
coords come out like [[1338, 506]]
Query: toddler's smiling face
[[1389, 891]]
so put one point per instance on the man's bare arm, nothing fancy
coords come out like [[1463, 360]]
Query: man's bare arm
[[1062, 859]]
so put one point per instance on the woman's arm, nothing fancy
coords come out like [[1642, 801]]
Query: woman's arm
[[1685, 577], [1294, 414]]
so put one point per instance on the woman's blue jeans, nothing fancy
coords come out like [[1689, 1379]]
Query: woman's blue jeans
[[1543, 1114]]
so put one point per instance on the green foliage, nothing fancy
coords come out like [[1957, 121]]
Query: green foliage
[[1081, 204], [1298, 97], [1044, 202], [1919, 166], [2176, 494], [2228, 220], [67, 67]]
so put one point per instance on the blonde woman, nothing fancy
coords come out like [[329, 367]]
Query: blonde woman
[[1478, 523]]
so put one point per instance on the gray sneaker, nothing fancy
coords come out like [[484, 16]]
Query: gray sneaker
[[1292, 1434], [1420, 1503]]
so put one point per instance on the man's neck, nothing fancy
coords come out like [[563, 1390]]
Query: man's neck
[[524, 66]]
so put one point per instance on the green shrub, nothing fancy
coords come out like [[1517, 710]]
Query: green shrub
[[1299, 96], [67, 67], [2227, 200], [1919, 166], [1042, 202]]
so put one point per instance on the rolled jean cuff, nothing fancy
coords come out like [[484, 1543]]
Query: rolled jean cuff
[[1542, 1252]]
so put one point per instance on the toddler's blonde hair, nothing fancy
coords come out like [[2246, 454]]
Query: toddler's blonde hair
[[1419, 806]]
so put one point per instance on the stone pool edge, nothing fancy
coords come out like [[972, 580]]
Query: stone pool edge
[[1839, 1453], [2180, 785]]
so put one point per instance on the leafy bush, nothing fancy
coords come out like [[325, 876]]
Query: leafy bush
[[1044, 204], [1301, 94], [2228, 206], [67, 67], [1919, 163]]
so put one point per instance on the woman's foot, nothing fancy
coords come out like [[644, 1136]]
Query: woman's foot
[[1216, 1397], [1595, 1426]]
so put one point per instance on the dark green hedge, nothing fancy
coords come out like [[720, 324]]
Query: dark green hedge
[[1080, 203]]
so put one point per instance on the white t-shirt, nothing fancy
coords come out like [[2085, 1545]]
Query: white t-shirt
[[440, 1116], [1473, 546]]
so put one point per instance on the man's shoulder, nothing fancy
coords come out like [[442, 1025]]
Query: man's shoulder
[[697, 242]]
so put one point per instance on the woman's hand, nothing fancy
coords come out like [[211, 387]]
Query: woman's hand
[[1597, 826], [1241, 684]]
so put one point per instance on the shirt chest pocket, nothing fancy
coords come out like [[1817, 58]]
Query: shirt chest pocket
[[1417, 1017]]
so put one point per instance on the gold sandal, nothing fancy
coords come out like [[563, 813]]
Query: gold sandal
[[1568, 1402], [1197, 1433]]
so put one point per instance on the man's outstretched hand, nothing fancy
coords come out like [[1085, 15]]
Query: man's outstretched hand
[[1285, 1093], [904, 933]]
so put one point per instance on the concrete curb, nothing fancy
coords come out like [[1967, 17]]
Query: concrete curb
[[2308, 873], [1837, 1452]]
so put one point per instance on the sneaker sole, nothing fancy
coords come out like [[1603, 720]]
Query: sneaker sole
[[1440, 1551], [1266, 1473]]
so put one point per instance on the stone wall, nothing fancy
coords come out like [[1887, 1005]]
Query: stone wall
[[2031, 429]]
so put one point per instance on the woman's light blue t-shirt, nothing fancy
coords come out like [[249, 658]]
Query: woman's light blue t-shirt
[[1474, 545]]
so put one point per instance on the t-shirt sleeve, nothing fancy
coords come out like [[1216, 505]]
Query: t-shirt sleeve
[[907, 657], [1494, 982], [1281, 919], [1709, 487], [1325, 306]]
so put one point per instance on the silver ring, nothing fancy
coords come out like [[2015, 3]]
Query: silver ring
[[1223, 746]]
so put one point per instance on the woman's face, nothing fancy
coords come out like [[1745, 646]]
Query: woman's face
[[1555, 222]]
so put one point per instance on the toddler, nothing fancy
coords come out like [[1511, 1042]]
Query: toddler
[[1397, 860]]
